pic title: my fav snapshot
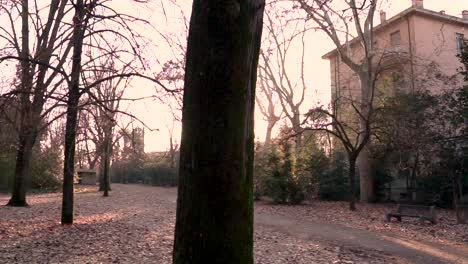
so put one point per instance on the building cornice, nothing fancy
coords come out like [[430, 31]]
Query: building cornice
[[404, 14]]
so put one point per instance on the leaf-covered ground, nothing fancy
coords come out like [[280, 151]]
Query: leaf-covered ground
[[135, 225], [372, 217]]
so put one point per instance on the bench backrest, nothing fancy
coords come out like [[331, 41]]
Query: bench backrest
[[416, 210]]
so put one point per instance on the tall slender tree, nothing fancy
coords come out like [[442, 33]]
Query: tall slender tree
[[214, 222], [72, 112]]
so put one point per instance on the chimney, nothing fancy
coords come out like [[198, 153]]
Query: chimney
[[418, 3], [383, 17], [465, 14], [442, 12]]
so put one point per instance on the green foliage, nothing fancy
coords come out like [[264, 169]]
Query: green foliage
[[46, 167], [382, 163], [7, 169], [281, 183], [128, 166], [261, 170], [153, 168], [463, 57], [276, 184], [333, 181], [311, 164], [160, 175], [422, 138], [8, 137]]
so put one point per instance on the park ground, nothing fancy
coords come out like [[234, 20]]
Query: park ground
[[135, 225]]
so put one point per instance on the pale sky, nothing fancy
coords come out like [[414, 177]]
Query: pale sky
[[318, 75], [168, 20]]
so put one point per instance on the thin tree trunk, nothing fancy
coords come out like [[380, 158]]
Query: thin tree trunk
[[352, 183], [296, 123], [106, 161], [214, 222], [270, 126], [172, 151], [72, 115]]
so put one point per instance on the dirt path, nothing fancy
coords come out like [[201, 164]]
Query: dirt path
[[391, 244], [413, 251]]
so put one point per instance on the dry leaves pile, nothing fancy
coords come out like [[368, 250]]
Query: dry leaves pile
[[135, 225]]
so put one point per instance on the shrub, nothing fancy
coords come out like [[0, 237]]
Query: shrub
[[46, 168], [281, 183], [160, 175], [7, 170], [333, 183]]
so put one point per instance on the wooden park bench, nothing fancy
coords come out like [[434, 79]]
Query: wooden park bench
[[417, 211]]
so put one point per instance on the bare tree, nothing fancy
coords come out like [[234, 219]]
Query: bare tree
[[339, 21], [352, 139], [43, 88], [39, 73], [266, 101], [85, 21], [275, 76]]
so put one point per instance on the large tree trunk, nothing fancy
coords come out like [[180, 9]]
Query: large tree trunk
[[214, 221], [22, 167], [26, 135], [72, 115], [366, 177], [352, 182]]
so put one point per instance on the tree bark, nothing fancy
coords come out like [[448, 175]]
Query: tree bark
[[72, 115], [296, 124], [214, 222], [22, 167], [106, 163], [26, 135], [366, 177], [352, 182], [270, 126], [101, 175]]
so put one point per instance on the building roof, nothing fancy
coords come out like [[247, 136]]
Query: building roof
[[406, 13]]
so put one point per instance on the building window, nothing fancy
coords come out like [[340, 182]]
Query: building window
[[460, 39], [395, 39]]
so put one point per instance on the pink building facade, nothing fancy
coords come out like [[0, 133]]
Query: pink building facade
[[416, 49]]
